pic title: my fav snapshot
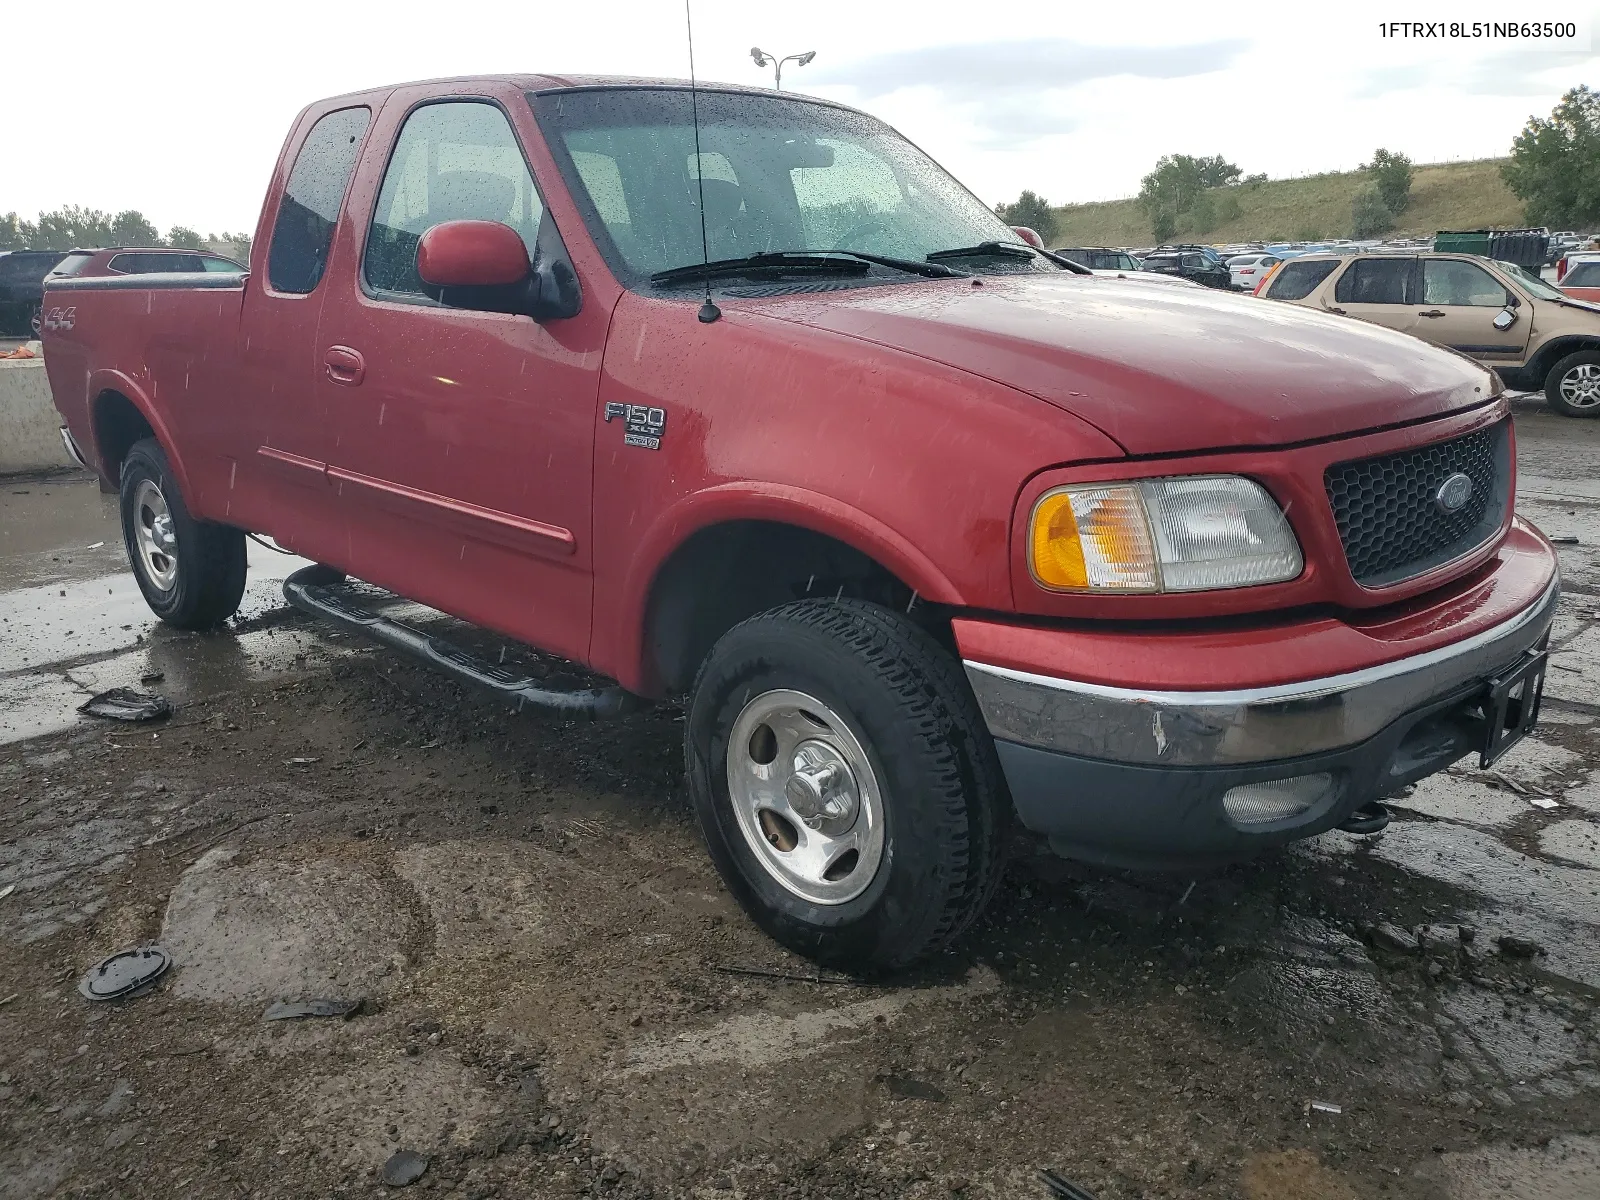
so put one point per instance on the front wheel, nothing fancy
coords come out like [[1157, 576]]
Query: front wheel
[[1573, 386], [191, 572], [849, 793]]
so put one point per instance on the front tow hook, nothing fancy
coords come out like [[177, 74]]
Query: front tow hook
[[1369, 818]]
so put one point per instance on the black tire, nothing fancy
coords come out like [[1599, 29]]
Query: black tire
[[945, 805], [1558, 373], [207, 566]]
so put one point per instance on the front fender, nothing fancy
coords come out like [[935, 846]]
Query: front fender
[[753, 500]]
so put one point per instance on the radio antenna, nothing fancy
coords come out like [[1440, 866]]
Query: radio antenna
[[709, 312]]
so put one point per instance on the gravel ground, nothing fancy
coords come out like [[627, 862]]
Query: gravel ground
[[559, 999]]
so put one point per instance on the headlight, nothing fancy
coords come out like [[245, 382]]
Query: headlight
[[1184, 534]]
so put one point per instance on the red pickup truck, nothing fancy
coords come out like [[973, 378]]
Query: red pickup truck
[[736, 394]]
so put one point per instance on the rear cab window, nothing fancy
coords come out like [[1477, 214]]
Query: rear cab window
[[138, 263], [1586, 274], [309, 211], [1296, 280]]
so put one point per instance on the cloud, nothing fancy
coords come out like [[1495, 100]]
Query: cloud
[[1042, 64], [1509, 73], [1011, 91]]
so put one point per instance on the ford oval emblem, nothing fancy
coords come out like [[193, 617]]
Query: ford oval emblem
[[1453, 494]]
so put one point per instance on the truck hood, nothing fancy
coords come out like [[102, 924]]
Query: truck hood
[[1161, 369]]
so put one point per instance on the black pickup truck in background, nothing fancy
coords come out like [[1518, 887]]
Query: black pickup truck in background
[[22, 275]]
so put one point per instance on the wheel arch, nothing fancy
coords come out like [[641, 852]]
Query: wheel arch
[[120, 414], [1555, 350], [741, 552]]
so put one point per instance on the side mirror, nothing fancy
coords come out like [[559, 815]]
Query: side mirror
[[472, 254], [1029, 236], [1504, 319], [483, 265]]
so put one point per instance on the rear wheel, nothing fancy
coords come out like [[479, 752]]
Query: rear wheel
[[848, 790], [191, 572], [1573, 386]]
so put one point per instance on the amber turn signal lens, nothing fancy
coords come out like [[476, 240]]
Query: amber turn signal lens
[[1057, 552], [1094, 537]]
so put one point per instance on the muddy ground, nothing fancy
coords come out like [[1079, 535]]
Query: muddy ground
[[559, 999]]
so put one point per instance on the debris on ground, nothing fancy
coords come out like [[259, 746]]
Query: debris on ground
[[1543, 802], [1569, 539], [150, 677], [302, 761], [1062, 1188], [123, 972], [1392, 937], [1518, 947], [404, 1168], [284, 1010], [1324, 1106], [907, 1088], [791, 976], [125, 704], [7, 890]]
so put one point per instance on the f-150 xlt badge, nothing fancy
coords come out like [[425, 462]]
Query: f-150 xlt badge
[[644, 426]]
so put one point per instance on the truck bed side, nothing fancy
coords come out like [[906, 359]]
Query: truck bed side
[[131, 356]]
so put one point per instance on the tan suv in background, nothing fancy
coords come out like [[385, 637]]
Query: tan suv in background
[[1531, 334]]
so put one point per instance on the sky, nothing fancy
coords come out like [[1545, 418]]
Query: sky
[[183, 115]]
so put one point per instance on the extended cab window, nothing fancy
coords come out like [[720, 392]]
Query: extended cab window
[[1451, 281], [1375, 281], [454, 161], [1297, 280], [303, 231]]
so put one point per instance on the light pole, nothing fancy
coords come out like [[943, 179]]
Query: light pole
[[763, 58]]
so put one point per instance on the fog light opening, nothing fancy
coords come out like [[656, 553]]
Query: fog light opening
[[1276, 800]]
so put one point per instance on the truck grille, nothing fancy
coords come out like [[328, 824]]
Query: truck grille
[[1388, 519]]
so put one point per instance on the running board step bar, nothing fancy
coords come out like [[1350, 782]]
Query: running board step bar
[[310, 590]]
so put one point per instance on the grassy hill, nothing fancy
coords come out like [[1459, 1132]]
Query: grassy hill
[[1464, 195]]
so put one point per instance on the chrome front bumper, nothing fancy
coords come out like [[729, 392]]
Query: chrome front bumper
[[1253, 725]]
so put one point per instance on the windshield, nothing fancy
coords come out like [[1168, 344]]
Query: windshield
[[1531, 283], [779, 175]]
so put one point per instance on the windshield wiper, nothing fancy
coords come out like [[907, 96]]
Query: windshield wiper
[[1007, 250], [985, 250], [765, 261], [834, 262], [931, 270]]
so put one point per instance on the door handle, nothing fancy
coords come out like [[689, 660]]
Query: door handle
[[345, 365], [1432, 312]]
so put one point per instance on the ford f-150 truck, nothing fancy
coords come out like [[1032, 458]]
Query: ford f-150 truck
[[736, 395]]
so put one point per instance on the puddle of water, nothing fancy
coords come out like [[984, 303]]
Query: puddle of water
[[1557, 906]]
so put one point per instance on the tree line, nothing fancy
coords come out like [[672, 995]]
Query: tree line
[[74, 227], [1554, 169]]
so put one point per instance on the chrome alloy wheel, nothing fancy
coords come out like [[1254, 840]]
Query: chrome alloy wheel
[[806, 797], [153, 535], [1580, 387]]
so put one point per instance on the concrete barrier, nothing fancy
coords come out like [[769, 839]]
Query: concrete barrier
[[30, 427]]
